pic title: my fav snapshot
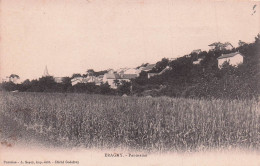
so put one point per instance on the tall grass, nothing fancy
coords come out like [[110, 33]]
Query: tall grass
[[138, 123]]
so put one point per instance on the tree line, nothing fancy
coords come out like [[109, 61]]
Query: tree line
[[206, 80], [185, 79]]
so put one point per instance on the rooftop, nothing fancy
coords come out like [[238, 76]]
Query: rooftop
[[229, 55], [149, 67]]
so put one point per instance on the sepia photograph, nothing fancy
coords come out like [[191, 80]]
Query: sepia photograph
[[130, 82]]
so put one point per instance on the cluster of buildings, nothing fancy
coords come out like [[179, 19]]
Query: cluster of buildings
[[115, 77], [233, 59]]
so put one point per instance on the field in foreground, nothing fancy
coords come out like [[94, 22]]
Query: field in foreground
[[150, 124]]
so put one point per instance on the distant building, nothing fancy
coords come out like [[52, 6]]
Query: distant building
[[233, 59], [76, 80], [99, 79], [149, 75], [128, 77], [148, 67], [13, 78], [89, 79], [172, 59], [46, 73], [132, 71], [58, 79], [196, 51], [197, 61], [111, 77], [165, 69]]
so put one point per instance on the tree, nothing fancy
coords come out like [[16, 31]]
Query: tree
[[8, 86], [14, 76], [241, 43], [90, 72], [47, 84], [66, 80], [116, 82], [161, 65], [124, 87], [105, 88], [75, 75], [66, 83]]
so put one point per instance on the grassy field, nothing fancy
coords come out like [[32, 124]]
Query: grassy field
[[95, 121]]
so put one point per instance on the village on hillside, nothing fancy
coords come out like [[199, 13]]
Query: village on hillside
[[114, 77]]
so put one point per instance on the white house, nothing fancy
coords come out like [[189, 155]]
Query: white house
[[196, 51], [58, 79], [76, 80], [12, 78], [233, 59], [165, 69], [172, 59], [149, 75], [155, 74], [197, 61], [111, 77], [99, 79], [148, 67]]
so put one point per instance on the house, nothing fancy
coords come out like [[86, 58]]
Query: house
[[58, 79], [152, 74], [165, 69], [221, 46], [13, 78], [233, 59], [77, 80], [172, 59], [196, 51], [99, 79], [148, 67], [197, 61], [89, 79], [155, 74], [128, 77], [132, 71], [111, 77], [227, 46]]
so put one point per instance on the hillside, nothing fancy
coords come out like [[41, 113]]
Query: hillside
[[196, 75], [205, 79]]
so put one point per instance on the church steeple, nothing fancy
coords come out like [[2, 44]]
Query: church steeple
[[46, 73]]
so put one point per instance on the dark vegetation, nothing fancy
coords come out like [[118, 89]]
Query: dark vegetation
[[185, 79]]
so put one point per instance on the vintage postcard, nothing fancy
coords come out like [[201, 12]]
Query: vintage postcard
[[129, 82]]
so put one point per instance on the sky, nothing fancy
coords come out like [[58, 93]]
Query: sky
[[72, 36]]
